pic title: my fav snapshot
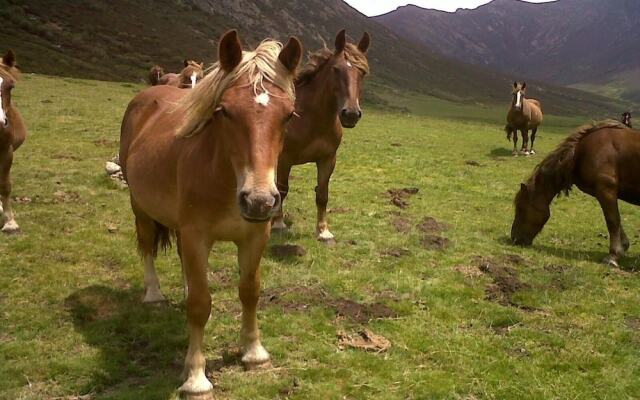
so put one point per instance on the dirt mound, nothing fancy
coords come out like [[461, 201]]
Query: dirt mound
[[432, 226], [287, 250], [434, 242], [401, 224], [505, 281], [363, 340], [396, 252], [399, 196], [362, 313]]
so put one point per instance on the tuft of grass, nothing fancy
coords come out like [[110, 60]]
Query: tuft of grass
[[72, 323]]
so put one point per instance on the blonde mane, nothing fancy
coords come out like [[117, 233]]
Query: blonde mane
[[7, 72], [258, 66], [318, 59]]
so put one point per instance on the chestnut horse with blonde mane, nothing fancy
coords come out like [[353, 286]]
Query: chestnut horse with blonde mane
[[602, 160], [201, 163], [524, 115], [328, 92], [190, 75], [13, 132]]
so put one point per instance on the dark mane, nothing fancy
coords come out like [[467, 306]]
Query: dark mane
[[556, 170], [318, 59]]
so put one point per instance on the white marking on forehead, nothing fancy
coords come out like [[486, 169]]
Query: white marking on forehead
[[263, 99], [193, 79], [349, 64], [3, 117]]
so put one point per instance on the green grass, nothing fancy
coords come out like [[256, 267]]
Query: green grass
[[71, 321]]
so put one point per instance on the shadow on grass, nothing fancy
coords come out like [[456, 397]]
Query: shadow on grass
[[630, 264], [500, 152], [141, 346]]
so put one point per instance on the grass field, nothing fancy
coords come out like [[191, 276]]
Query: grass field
[[478, 319]]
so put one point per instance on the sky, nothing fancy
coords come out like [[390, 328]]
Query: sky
[[377, 7]]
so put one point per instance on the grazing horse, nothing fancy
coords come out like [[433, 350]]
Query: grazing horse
[[524, 115], [155, 73], [602, 160], [328, 92], [626, 119], [201, 163], [13, 132], [187, 78]]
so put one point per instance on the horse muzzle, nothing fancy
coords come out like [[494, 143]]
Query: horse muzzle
[[349, 117], [258, 206]]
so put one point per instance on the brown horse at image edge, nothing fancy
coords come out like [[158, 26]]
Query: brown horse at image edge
[[13, 133], [603, 160], [201, 163]]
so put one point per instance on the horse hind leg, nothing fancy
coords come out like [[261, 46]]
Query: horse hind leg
[[533, 139], [608, 199], [150, 235], [284, 170], [525, 142], [515, 143]]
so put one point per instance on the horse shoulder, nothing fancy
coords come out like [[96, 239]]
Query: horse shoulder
[[19, 128]]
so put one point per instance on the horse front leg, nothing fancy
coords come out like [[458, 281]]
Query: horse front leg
[[608, 200], [284, 170], [249, 255], [10, 225], [325, 169], [195, 252], [533, 139], [525, 142], [515, 143]]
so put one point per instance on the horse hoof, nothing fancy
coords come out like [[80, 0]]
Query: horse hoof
[[11, 228], [532, 152], [197, 396], [257, 366], [197, 389], [610, 261], [153, 297]]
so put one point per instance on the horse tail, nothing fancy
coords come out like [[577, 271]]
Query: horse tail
[[558, 166], [154, 75], [508, 131]]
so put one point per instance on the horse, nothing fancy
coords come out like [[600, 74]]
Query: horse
[[200, 164], [524, 115], [328, 91], [155, 73], [187, 78], [626, 119], [603, 160], [13, 133]]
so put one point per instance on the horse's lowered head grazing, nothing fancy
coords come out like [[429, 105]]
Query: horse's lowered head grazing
[[531, 216], [8, 77], [191, 74], [250, 116], [519, 90]]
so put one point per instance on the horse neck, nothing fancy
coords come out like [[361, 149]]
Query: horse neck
[[316, 102], [545, 188]]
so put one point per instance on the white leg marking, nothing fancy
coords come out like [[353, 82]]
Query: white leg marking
[[325, 235], [152, 292]]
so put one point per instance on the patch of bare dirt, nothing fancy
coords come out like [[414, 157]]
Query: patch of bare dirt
[[363, 340], [362, 313], [339, 210], [505, 282], [287, 250], [431, 225], [61, 196], [396, 252], [106, 142], [300, 298], [221, 277], [633, 324], [401, 224], [473, 163], [399, 196], [434, 242]]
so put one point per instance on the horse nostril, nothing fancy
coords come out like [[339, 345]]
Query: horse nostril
[[277, 199], [243, 199], [359, 114]]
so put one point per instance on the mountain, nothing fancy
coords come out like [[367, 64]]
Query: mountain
[[121, 39], [589, 43]]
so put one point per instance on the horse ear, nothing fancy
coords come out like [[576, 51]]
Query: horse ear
[[364, 43], [291, 54], [9, 59], [230, 51], [515, 84], [341, 40], [524, 85]]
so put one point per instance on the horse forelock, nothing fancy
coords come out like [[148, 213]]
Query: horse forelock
[[317, 60], [256, 67]]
